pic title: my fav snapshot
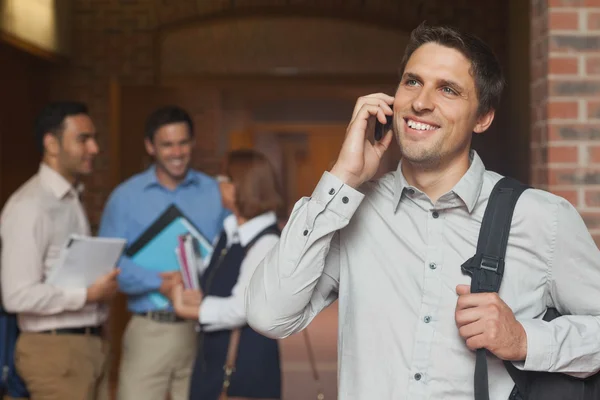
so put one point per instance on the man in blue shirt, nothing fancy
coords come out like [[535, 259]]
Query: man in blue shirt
[[159, 348]]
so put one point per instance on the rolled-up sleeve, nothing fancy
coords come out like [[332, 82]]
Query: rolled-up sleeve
[[25, 239], [570, 343], [300, 275]]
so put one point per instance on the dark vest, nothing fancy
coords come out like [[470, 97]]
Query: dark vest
[[257, 371]]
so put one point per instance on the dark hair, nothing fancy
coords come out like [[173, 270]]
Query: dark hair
[[485, 68], [165, 116], [52, 117], [257, 190]]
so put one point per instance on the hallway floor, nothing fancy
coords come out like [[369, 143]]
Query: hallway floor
[[298, 381]]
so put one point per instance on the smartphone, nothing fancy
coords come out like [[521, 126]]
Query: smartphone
[[381, 129]]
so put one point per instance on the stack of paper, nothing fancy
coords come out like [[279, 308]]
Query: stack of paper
[[83, 259], [191, 263]]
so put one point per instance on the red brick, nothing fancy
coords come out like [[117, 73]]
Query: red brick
[[563, 154], [563, 110], [593, 20], [566, 131], [564, 20], [561, 176], [594, 154], [591, 219], [593, 109], [572, 196], [574, 176], [592, 65], [563, 65], [592, 197]]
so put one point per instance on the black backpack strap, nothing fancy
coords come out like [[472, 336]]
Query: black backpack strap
[[486, 267]]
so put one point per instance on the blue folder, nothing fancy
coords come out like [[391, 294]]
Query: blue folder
[[155, 248]]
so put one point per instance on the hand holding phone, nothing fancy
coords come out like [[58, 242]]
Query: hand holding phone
[[359, 158], [380, 129]]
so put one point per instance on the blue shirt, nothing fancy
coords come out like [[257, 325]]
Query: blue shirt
[[137, 202]]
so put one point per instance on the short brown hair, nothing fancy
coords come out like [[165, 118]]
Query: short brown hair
[[256, 187], [485, 68]]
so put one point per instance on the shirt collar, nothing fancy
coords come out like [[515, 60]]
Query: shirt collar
[[230, 227], [150, 178], [250, 229], [57, 184], [467, 188]]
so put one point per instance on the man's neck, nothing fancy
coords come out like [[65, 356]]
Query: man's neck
[[53, 164], [435, 182], [166, 180]]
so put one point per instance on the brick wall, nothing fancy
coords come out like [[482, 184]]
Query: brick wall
[[117, 39], [566, 111]]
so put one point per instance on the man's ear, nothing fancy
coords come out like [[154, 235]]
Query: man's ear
[[149, 147], [484, 122], [51, 144]]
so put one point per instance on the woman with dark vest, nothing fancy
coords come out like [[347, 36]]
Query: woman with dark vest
[[251, 192]]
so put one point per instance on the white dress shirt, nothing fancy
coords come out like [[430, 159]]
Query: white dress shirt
[[35, 223], [393, 258], [218, 313]]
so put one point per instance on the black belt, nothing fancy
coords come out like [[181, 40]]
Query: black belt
[[88, 330], [161, 316]]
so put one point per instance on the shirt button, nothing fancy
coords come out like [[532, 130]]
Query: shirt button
[[435, 214], [305, 232], [331, 191], [411, 191], [344, 200], [427, 319], [432, 266], [418, 376]]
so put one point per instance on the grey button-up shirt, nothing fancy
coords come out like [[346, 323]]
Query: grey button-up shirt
[[392, 258]]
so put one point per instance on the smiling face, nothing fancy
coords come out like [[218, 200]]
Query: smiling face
[[171, 148], [436, 107]]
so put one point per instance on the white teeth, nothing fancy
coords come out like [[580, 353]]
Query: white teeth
[[420, 126]]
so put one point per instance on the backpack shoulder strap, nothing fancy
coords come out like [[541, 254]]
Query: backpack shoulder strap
[[486, 267]]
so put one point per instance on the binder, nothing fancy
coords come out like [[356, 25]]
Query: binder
[[155, 248]]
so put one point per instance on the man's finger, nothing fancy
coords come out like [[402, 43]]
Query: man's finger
[[476, 342], [382, 145], [472, 329], [468, 315], [375, 98], [463, 289]]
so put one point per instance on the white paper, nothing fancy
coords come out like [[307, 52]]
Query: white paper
[[193, 257], [84, 259], [188, 257]]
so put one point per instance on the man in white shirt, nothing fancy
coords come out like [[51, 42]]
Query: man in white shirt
[[59, 353], [391, 250]]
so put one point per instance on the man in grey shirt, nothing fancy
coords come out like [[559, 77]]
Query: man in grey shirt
[[391, 250]]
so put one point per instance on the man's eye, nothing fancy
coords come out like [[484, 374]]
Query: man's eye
[[448, 90], [411, 82]]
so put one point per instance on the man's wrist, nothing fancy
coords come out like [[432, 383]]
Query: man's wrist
[[346, 177]]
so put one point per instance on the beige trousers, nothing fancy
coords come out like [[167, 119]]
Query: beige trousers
[[157, 360], [59, 367]]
